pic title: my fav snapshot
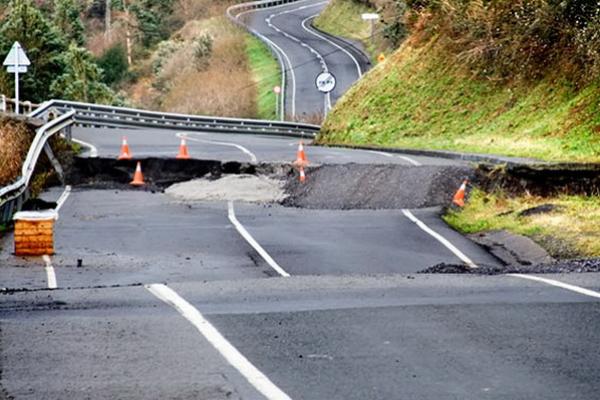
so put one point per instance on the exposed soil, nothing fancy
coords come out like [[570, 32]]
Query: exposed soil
[[541, 179], [350, 186], [241, 187]]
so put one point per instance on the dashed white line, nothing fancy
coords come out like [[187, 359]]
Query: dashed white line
[[259, 249], [241, 148], [50, 274], [312, 32], [552, 282], [440, 239], [252, 374]]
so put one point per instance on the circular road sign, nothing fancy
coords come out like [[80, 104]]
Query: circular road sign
[[277, 89], [325, 82]]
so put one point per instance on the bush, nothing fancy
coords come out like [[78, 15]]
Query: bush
[[203, 50], [114, 64]]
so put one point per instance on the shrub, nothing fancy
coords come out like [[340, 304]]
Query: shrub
[[114, 64]]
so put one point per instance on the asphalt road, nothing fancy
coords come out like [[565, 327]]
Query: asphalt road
[[177, 300], [306, 53]]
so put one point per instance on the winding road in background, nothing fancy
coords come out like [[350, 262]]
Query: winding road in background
[[305, 53], [219, 300]]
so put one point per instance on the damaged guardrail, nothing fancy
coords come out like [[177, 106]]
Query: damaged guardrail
[[14, 195], [94, 115]]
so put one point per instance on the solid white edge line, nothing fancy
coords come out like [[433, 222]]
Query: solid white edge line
[[440, 239], [63, 197], [252, 374], [285, 57], [239, 147], [552, 282], [92, 149], [259, 249], [51, 275]]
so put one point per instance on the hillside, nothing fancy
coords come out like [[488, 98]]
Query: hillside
[[178, 55], [448, 87]]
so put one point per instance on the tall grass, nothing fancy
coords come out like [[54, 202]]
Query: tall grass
[[15, 139]]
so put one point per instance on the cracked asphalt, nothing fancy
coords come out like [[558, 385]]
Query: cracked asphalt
[[353, 320]]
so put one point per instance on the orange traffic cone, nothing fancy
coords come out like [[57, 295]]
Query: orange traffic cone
[[459, 197], [138, 177], [301, 160], [183, 150], [125, 153], [302, 174]]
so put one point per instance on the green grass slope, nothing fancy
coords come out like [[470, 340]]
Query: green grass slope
[[422, 98]]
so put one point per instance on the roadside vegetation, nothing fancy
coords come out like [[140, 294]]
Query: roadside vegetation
[[177, 55], [266, 74], [343, 18], [515, 78], [15, 139], [567, 226]]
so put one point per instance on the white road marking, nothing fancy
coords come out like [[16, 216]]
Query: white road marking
[[282, 58], [50, 272], [63, 197], [259, 249], [92, 149], [552, 282], [440, 239], [405, 158], [252, 374], [312, 32], [312, 50], [242, 148]]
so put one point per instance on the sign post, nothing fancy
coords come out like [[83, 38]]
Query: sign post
[[371, 17], [277, 91], [325, 84], [16, 62]]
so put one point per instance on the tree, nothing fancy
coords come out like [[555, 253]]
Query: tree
[[67, 18], [42, 42], [114, 64], [151, 22], [82, 79]]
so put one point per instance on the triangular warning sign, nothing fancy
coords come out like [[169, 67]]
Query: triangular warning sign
[[16, 56]]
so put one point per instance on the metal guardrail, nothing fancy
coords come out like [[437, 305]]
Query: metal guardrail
[[14, 195], [94, 115], [8, 105]]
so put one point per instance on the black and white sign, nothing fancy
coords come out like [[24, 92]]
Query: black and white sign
[[325, 82]]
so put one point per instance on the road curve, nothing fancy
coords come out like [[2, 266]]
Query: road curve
[[305, 53]]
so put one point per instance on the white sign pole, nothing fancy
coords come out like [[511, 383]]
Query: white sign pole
[[17, 83]]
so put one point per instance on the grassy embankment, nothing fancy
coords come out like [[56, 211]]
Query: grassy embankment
[[343, 18], [266, 75], [416, 99], [430, 94]]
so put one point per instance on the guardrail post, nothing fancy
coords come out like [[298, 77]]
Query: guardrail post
[[3, 103]]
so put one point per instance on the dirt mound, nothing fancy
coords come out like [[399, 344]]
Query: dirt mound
[[358, 186], [243, 187]]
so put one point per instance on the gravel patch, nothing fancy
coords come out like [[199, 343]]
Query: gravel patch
[[248, 188], [557, 267]]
